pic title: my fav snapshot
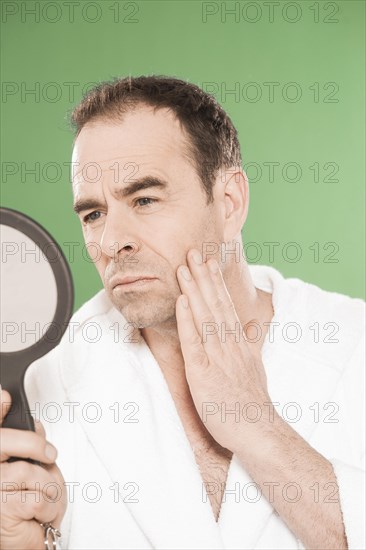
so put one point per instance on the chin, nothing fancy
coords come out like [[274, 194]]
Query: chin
[[147, 314]]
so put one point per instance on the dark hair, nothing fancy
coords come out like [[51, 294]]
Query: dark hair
[[213, 140]]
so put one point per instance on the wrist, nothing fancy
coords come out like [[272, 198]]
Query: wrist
[[260, 428]]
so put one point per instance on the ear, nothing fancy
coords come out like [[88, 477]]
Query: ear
[[236, 201]]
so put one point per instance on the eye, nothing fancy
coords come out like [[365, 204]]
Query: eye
[[146, 199], [90, 218]]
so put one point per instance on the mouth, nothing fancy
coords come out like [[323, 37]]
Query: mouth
[[126, 283]]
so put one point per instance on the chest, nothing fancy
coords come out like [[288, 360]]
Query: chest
[[213, 464], [212, 459]]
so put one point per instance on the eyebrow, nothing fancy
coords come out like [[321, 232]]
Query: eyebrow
[[138, 185]]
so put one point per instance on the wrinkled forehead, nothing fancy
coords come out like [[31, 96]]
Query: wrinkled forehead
[[144, 140]]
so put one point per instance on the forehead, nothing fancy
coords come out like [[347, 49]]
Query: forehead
[[143, 139]]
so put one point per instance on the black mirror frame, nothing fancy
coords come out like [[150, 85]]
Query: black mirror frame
[[17, 362]]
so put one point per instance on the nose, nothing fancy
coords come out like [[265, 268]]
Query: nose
[[118, 239]]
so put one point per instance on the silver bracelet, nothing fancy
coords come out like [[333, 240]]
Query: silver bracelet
[[51, 536]]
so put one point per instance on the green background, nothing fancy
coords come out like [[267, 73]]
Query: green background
[[313, 51]]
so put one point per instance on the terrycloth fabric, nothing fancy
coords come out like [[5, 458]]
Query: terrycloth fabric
[[132, 477]]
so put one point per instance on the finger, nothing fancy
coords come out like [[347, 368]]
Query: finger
[[39, 428], [191, 344], [25, 444], [203, 319], [219, 300], [56, 474], [23, 476], [212, 285], [26, 505], [30, 534], [5, 404]]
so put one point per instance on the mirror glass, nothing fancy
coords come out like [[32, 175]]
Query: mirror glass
[[28, 296]]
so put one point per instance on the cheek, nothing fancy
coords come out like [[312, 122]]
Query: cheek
[[173, 246], [93, 234], [92, 239], [92, 254]]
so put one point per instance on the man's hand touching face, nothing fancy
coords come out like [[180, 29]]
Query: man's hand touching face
[[222, 372]]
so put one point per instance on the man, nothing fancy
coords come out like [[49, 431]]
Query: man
[[186, 420]]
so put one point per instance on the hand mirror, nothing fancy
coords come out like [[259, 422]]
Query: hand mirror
[[36, 304]]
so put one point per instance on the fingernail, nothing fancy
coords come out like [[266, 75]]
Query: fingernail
[[197, 257], [50, 452], [186, 273], [184, 301]]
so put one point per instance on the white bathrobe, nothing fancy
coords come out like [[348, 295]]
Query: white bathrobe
[[133, 482]]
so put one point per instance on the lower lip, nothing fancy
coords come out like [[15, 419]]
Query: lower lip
[[134, 284]]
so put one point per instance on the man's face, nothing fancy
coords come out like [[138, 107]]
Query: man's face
[[140, 231]]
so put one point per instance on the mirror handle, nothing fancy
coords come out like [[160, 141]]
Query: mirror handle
[[19, 416]]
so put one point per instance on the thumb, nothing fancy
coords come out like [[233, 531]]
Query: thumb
[[5, 403]]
